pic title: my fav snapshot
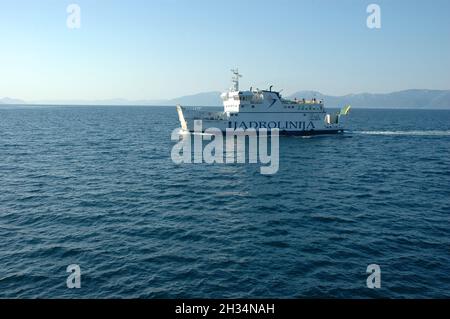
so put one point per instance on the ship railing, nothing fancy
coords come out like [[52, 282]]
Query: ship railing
[[199, 113]]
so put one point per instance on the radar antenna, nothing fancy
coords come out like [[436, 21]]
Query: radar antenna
[[235, 80]]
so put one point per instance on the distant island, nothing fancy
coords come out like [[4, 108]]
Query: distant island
[[418, 99], [9, 101]]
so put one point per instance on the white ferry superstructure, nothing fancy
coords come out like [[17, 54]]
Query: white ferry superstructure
[[256, 109]]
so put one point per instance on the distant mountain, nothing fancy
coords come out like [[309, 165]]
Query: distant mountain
[[201, 99], [7, 100], [422, 99], [106, 102]]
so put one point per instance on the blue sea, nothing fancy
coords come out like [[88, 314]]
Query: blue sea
[[96, 186]]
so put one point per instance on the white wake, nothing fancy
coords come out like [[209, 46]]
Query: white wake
[[405, 133]]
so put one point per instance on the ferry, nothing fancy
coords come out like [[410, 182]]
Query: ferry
[[257, 109]]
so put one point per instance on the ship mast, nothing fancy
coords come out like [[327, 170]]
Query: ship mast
[[235, 80]]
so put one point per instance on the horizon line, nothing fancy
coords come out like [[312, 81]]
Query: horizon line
[[143, 100]]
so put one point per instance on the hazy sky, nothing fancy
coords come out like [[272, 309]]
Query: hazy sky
[[154, 49]]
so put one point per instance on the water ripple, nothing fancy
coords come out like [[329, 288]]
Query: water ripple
[[96, 187]]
